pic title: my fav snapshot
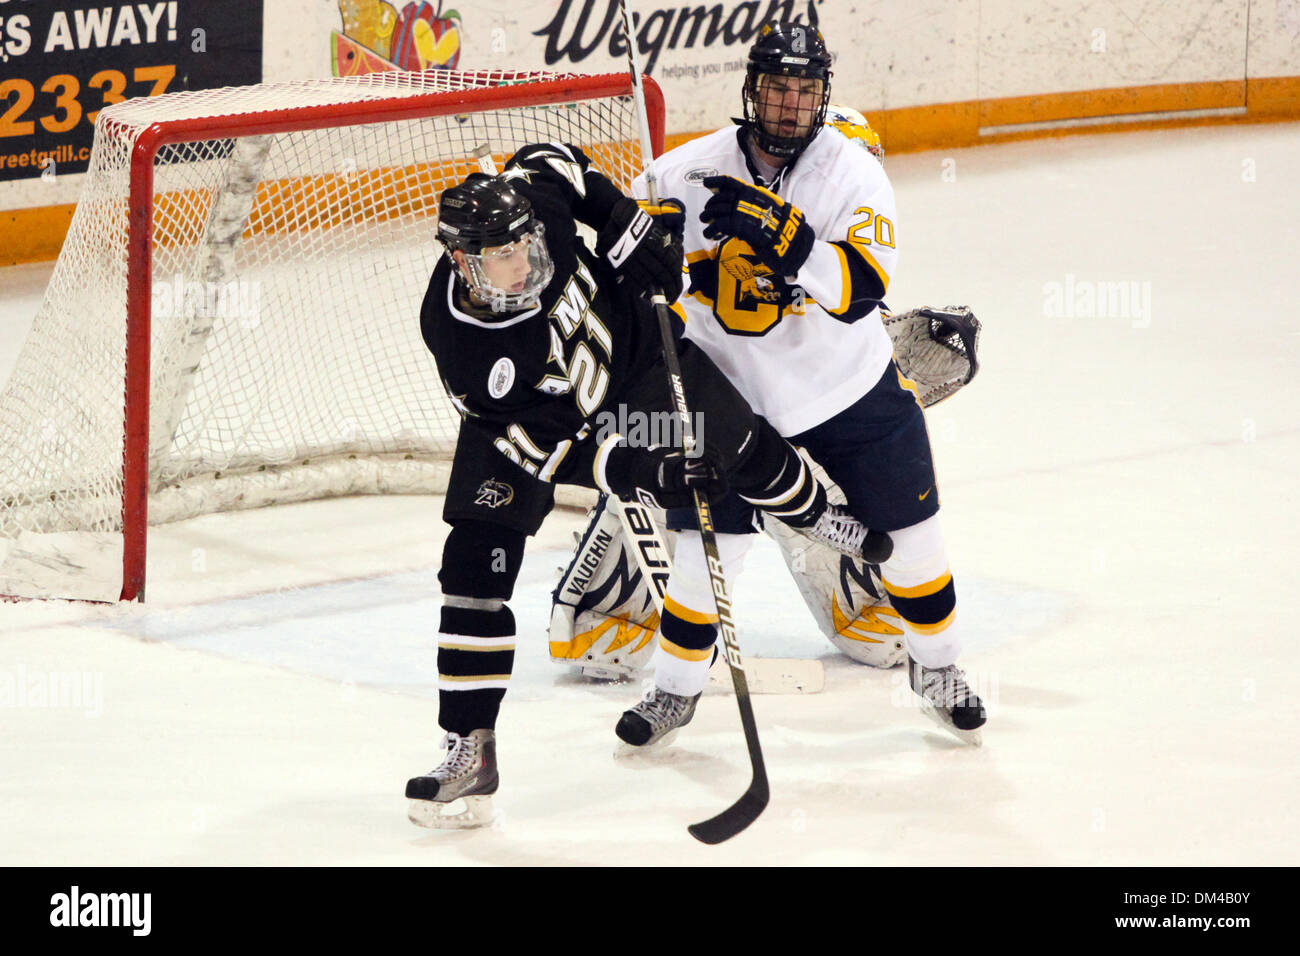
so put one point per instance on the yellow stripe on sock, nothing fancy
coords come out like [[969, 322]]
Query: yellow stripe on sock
[[687, 615], [933, 628], [488, 649], [684, 653], [921, 590]]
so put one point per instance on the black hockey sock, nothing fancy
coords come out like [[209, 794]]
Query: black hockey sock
[[776, 480], [476, 653], [686, 629], [928, 608]]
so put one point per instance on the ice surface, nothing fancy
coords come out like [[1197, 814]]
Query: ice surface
[[1120, 500]]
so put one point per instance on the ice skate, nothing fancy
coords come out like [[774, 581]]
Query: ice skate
[[840, 531], [949, 701], [458, 794], [654, 723]]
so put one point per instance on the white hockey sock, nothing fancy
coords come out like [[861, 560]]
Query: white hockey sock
[[920, 587], [688, 628]]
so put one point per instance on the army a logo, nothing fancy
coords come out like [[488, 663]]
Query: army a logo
[[494, 494]]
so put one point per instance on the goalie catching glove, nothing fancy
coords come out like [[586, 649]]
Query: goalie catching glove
[[643, 243], [776, 230], [935, 348]]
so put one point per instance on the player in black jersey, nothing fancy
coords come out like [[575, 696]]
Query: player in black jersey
[[543, 345]]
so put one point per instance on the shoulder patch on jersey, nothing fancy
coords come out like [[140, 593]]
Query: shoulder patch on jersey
[[501, 377], [700, 173]]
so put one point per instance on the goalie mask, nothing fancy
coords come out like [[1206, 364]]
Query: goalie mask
[[787, 88], [503, 260], [855, 127]]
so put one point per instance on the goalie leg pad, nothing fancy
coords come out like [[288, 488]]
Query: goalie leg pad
[[846, 599], [690, 629], [920, 586], [603, 613]]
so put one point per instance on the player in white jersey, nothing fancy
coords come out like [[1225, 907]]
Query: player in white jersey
[[790, 244]]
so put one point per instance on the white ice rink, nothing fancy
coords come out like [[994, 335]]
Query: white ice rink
[[1120, 501]]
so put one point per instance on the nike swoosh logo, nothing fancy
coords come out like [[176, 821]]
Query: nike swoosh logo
[[926, 495]]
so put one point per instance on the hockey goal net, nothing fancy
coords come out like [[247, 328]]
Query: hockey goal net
[[233, 320]]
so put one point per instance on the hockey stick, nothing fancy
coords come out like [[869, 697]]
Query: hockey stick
[[763, 675], [746, 810]]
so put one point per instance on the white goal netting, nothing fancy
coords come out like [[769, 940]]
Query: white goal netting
[[288, 270]]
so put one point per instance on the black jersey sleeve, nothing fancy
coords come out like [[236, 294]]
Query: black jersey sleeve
[[536, 434], [503, 376], [566, 173]]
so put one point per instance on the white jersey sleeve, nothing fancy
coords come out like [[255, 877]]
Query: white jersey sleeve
[[800, 351], [856, 252]]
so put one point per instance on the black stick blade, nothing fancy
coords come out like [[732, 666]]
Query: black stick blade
[[735, 818]]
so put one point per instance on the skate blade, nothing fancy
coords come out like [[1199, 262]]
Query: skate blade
[[625, 749], [463, 813], [972, 738]]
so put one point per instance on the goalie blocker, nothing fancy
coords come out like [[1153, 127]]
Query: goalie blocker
[[605, 608]]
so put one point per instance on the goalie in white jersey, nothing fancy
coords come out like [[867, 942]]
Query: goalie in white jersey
[[790, 244]]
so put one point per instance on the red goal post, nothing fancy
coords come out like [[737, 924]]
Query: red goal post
[[312, 201]]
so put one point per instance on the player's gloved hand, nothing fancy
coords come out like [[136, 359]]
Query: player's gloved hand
[[668, 214], [774, 228], [644, 249], [663, 477]]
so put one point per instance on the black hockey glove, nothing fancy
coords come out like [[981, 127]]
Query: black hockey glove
[[663, 477], [644, 245], [775, 229]]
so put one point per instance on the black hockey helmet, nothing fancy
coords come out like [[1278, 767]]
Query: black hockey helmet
[[482, 211], [487, 213], [786, 49]]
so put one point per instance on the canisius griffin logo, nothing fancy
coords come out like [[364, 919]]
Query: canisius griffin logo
[[580, 27], [378, 38]]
